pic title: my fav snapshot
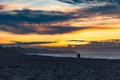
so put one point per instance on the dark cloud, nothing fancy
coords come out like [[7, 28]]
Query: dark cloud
[[103, 43], [14, 23], [64, 29], [21, 29], [89, 1], [111, 42], [33, 16], [37, 16], [29, 43], [76, 40], [107, 10], [111, 8]]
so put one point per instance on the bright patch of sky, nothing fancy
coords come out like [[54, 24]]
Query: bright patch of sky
[[38, 4]]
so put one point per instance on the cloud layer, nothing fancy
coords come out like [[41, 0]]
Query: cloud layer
[[3, 6], [45, 22], [89, 1], [55, 22], [30, 43]]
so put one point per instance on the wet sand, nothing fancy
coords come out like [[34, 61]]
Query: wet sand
[[50, 68]]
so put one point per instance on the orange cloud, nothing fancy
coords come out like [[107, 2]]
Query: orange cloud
[[55, 8], [20, 6], [12, 6], [3, 6]]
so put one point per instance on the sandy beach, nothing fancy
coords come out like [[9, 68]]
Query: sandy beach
[[51, 68]]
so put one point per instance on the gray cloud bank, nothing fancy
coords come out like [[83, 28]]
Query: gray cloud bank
[[28, 43], [88, 1], [13, 21]]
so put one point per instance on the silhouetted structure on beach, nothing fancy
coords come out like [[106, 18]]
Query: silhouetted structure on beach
[[78, 55]]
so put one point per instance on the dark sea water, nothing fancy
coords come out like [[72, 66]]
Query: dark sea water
[[114, 55], [87, 53]]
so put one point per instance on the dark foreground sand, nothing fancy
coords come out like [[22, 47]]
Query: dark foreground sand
[[49, 68]]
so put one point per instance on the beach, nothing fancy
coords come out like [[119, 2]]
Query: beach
[[24, 67]]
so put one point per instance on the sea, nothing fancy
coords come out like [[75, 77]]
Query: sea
[[98, 55]]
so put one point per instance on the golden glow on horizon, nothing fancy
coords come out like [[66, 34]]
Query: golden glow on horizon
[[90, 34]]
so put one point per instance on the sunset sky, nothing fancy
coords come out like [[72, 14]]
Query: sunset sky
[[54, 22]]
